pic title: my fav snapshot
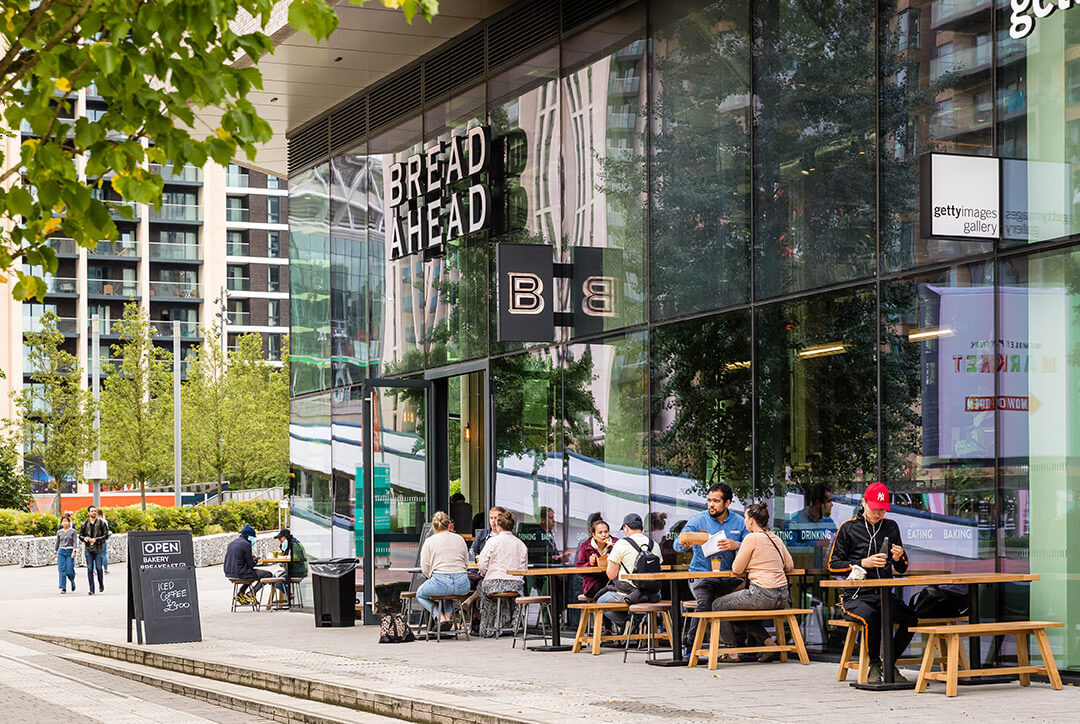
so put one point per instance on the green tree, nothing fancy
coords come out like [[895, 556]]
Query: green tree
[[54, 409], [155, 64], [136, 406], [208, 418], [15, 493], [259, 395]]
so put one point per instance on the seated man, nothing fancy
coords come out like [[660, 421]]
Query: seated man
[[240, 565], [858, 543], [621, 561], [297, 566]]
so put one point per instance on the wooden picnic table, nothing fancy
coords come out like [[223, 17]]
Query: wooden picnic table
[[888, 656]]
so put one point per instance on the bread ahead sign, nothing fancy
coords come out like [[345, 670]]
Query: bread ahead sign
[[961, 196], [439, 195]]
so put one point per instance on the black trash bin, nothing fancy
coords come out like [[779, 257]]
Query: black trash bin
[[334, 583]]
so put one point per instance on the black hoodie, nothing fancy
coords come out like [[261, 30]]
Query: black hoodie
[[857, 539]]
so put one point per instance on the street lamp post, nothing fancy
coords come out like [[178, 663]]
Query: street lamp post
[[176, 412], [95, 337]]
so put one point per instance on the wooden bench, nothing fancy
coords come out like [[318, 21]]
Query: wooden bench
[[591, 625], [951, 636], [779, 616], [862, 666]]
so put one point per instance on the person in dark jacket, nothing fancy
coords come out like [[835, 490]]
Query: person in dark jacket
[[857, 548], [93, 533], [240, 565], [297, 566]]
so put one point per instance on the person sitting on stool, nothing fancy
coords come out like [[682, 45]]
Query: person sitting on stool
[[857, 547]]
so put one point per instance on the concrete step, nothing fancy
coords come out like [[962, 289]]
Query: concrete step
[[339, 693], [255, 702]]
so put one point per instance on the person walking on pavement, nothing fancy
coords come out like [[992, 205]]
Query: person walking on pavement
[[67, 543], [94, 533]]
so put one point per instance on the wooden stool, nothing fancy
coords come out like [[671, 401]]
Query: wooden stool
[[275, 600], [779, 617], [296, 586], [522, 618], [508, 596], [862, 666], [237, 583], [645, 613], [597, 619], [951, 636], [461, 626]]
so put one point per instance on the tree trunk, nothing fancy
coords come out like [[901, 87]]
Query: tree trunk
[[220, 479], [142, 493]]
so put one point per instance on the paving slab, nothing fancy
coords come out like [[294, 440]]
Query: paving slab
[[489, 675]]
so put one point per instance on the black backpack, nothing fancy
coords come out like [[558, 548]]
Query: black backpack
[[945, 601], [647, 562]]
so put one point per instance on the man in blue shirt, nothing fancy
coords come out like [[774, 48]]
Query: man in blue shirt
[[716, 518]]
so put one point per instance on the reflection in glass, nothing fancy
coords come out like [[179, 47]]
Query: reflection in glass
[[603, 122], [309, 281], [701, 404], [814, 144], [937, 424], [309, 460], [400, 308], [700, 228], [935, 60], [351, 179], [348, 456], [1039, 420], [817, 400], [607, 445]]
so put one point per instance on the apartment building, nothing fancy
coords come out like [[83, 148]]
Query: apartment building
[[216, 251]]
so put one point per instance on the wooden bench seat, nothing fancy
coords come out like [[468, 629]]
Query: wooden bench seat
[[862, 665], [591, 626], [951, 636], [779, 616]]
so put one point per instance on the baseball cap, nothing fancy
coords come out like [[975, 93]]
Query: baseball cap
[[877, 497], [633, 520]]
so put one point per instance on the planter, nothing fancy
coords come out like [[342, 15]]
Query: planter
[[11, 549], [30, 552]]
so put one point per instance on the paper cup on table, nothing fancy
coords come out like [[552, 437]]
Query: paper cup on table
[[601, 561], [717, 564]]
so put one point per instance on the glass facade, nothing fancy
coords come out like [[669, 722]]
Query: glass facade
[[751, 171]]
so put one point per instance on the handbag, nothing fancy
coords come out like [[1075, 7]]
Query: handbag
[[394, 629]]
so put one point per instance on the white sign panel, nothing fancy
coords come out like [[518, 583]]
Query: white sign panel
[[1037, 200], [961, 196], [95, 470]]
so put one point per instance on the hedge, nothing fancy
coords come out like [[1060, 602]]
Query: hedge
[[227, 517]]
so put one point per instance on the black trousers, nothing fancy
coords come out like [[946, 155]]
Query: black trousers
[[707, 590], [260, 573], [866, 610]]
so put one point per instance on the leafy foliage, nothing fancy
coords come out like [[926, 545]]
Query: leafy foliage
[[155, 64], [14, 482]]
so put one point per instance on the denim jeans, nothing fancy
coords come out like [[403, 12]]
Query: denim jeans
[[441, 584], [752, 598], [94, 560], [617, 617], [65, 562]]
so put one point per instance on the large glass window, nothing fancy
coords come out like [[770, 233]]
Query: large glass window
[[309, 277], [814, 144], [310, 460], [604, 123], [700, 228], [349, 254]]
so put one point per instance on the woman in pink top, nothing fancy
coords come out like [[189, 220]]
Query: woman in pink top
[[764, 560], [503, 552]]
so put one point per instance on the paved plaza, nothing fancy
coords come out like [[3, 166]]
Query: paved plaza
[[485, 675]]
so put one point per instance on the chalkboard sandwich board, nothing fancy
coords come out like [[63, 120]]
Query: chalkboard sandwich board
[[162, 597]]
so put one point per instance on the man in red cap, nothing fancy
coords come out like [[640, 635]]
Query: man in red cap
[[859, 545]]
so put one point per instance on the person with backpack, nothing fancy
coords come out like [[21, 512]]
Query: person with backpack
[[764, 560], [634, 553]]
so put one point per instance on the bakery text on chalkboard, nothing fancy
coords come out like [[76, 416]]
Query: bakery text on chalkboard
[[162, 597]]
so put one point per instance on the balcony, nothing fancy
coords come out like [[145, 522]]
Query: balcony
[[176, 212], [175, 290], [63, 245], [109, 327], [169, 174], [232, 249], [635, 50], [116, 209], [61, 285], [237, 180], [963, 61], [238, 284], [621, 121], [67, 326], [946, 11], [119, 288], [188, 330], [121, 248], [175, 252], [239, 319], [237, 214], [625, 86]]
